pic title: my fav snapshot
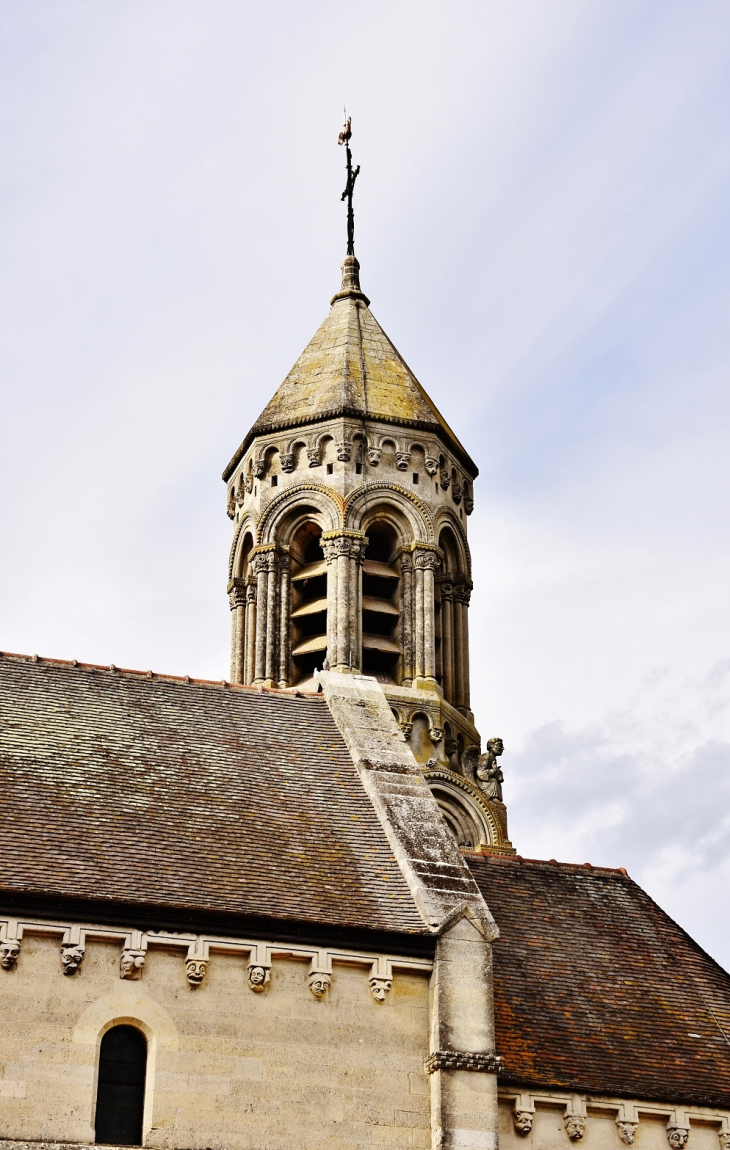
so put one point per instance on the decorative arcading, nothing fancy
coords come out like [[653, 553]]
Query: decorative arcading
[[288, 497], [366, 489], [464, 1060]]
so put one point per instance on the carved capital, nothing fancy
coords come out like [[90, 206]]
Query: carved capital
[[72, 955], [349, 543], [575, 1126], [237, 597], [263, 559], [626, 1130], [287, 461], [131, 964], [259, 977], [406, 563], [446, 585], [402, 459], [379, 988], [9, 953], [196, 969], [462, 593], [426, 559], [464, 1060]]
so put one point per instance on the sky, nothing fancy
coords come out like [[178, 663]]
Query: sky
[[542, 224]]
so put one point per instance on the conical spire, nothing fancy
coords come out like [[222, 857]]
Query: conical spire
[[351, 368]]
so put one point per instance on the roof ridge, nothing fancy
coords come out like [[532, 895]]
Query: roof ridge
[[159, 676]]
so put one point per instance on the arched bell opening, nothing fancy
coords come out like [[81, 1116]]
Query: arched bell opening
[[463, 818], [308, 602], [451, 641], [381, 647]]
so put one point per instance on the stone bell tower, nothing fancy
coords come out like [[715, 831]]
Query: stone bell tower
[[350, 497]]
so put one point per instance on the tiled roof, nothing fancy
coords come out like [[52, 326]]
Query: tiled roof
[[598, 990], [351, 368], [188, 795]]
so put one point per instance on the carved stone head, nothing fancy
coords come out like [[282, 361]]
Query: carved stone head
[[626, 1131], [9, 952], [432, 465], [402, 459], [258, 978], [677, 1137], [496, 746], [72, 955], [379, 988], [196, 970], [522, 1121], [724, 1139], [575, 1126], [374, 454], [131, 963], [287, 461], [319, 983]]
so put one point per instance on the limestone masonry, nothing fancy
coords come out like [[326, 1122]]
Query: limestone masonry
[[282, 911]]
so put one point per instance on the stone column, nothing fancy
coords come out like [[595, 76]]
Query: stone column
[[237, 600], [406, 617], [417, 619], [250, 652], [447, 637], [426, 559], [272, 602], [284, 620], [344, 552], [262, 561], [462, 594]]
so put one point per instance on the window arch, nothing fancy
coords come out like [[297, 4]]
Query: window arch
[[121, 1085]]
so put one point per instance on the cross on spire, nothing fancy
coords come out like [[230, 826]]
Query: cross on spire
[[344, 138]]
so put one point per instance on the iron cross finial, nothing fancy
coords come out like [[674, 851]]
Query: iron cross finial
[[344, 138]]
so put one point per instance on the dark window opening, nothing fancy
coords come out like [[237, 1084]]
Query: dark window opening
[[120, 1093], [415, 477], [358, 468], [330, 468], [274, 480]]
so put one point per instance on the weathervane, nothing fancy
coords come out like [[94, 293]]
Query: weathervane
[[344, 138]]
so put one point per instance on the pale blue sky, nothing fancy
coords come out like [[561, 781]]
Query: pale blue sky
[[542, 226]]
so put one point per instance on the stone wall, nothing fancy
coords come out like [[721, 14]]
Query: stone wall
[[227, 1067]]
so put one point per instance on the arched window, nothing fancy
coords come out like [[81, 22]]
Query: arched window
[[381, 646], [308, 602], [120, 1093]]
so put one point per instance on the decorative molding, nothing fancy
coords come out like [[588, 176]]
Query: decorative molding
[[288, 498], [464, 1060], [365, 491]]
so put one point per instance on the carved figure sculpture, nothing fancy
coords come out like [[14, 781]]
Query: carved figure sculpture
[[196, 970], [131, 963], [575, 1125], [489, 775], [522, 1121], [626, 1131], [9, 953], [379, 988], [72, 955], [677, 1137], [319, 983], [468, 504], [344, 451], [259, 978], [248, 483]]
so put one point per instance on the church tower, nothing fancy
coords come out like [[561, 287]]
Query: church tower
[[350, 497]]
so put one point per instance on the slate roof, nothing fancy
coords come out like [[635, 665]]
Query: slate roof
[[597, 990], [351, 368], [163, 792]]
